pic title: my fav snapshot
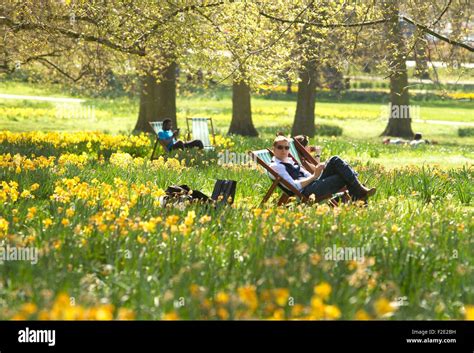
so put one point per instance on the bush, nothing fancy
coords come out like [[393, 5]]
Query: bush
[[328, 130], [466, 131]]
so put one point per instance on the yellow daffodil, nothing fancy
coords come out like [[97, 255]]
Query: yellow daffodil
[[323, 290], [383, 307]]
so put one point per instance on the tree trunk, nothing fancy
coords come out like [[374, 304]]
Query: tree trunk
[[289, 84], [241, 123], [304, 117], [421, 61], [157, 99], [399, 122]]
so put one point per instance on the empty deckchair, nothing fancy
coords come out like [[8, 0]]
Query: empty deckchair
[[264, 158], [200, 130], [157, 126]]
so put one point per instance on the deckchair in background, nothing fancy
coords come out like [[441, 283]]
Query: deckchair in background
[[200, 130], [294, 152]]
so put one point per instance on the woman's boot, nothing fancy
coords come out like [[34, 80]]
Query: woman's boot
[[360, 192]]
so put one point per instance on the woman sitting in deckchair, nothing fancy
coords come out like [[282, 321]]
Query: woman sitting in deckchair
[[327, 178]]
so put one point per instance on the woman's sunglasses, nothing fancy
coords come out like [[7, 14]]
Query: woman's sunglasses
[[281, 147]]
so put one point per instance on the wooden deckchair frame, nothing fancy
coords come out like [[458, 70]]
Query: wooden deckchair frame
[[307, 157], [278, 180]]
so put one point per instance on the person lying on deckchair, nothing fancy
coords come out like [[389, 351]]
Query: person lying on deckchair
[[169, 137], [327, 178]]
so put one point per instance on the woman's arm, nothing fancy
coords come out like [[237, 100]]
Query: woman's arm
[[308, 180], [318, 169], [315, 169]]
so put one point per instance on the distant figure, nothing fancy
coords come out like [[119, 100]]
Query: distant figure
[[389, 141], [169, 137], [417, 140]]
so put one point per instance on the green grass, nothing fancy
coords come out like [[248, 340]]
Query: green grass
[[361, 122], [418, 219], [31, 89], [118, 245], [266, 113]]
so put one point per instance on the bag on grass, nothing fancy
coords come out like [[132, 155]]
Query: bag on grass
[[183, 193], [224, 191]]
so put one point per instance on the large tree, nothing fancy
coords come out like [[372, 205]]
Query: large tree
[[251, 50], [323, 40], [152, 36], [157, 97], [423, 19], [241, 123], [399, 121], [385, 19]]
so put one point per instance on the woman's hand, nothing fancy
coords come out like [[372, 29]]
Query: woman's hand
[[318, 170], [320, 167]]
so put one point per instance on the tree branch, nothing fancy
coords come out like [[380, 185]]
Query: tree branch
[[61, 71], [324, 25], [292, 22], [153, 29], [72, 34], [4, 67], [375, 22], [438, 35]]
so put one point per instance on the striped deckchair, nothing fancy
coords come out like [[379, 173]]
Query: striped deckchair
[[200, 130], [264, 159]]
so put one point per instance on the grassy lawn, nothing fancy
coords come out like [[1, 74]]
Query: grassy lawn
[[361, 122], [90, 204], [104, 241]]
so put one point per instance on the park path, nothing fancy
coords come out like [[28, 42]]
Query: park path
[[444, 122], [42, 98]]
